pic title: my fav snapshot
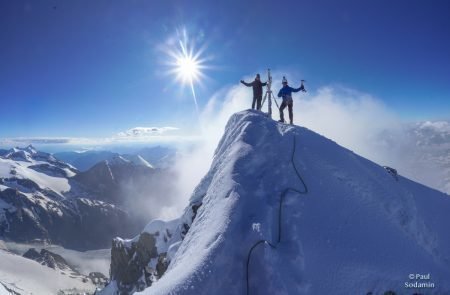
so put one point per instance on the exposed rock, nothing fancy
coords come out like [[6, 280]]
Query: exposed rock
[[98, 278], [137, 263], [49, 259], [24, 185], [50, 170], [128, 264]]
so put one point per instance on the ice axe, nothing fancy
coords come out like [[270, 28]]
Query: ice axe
[[302, 87]]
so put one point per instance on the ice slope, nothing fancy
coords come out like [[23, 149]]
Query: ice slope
[[26, 276], [357, 230]]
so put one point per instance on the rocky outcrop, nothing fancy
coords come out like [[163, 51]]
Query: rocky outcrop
[[49, 259], [131, 265], [137, 263], [98, 278]]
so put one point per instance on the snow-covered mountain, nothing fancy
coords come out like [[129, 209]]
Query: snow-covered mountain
[[134, 186], [40, 200], [86, 159], [284, 210], [107, 177], [153, 156]]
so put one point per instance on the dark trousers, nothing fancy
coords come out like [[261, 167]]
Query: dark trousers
[[257, 100], [283, 105]]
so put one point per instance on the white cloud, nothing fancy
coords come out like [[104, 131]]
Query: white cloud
[[141, 135], [146, 132], [33, 140], [353, 119]]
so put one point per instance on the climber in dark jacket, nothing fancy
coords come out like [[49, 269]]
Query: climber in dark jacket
[[286, 94], [257, 91]]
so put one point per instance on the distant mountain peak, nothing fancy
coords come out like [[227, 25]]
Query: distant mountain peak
[[31, 149], [118, 160]]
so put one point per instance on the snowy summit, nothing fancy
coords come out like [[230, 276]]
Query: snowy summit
[[284, 210]]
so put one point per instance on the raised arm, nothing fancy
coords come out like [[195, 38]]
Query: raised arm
[[301, 88], [296, 89], [247, 84], [264, 84]]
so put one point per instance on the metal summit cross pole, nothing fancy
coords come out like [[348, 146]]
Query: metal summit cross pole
[[269, 94]]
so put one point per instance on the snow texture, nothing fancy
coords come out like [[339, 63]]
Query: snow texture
[[83, 261], [357, 230], [3, 290], [22, 170], [27, 276]]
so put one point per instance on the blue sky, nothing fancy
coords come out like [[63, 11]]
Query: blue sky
[[96, 68]]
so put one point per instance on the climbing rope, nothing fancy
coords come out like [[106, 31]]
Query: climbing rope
[[283, 194]]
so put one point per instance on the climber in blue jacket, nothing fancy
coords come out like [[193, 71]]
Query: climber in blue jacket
[[286, 93]]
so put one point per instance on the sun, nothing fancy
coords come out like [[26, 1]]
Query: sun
[[186, 63], [187, 68]]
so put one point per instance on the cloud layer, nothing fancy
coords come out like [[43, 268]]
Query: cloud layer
[[141, 135], [144, 132]]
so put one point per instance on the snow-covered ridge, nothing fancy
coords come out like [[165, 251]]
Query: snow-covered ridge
[[357, 230], [157, 157]]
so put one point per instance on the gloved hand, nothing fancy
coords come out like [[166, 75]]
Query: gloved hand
[[242, 81]]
